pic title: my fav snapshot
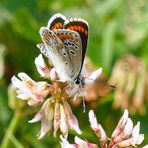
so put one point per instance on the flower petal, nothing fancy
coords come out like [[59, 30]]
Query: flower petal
[[72, 120], [36, 118], [93, 120], [84, 144], [56, 118], [128, 128], [121, 124], [137, 138], [53, 74], [94, 75], [41, 66], [46, 123], [63, 122], [97, 128], [66, 144]]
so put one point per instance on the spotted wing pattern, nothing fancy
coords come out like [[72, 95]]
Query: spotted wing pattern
[[56, 52], [80, 26], [73, 46]]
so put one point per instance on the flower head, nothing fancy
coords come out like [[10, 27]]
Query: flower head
[[130, 76], [55, 112], [124, 135]]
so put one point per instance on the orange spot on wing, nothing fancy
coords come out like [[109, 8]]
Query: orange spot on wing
[[75, 27], [82, 29], [71, 28], [60, 25], [79, 28], [86, 33]]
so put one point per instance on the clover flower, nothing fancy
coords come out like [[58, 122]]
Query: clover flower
[[124, 135], [130, 78], [55, 112]]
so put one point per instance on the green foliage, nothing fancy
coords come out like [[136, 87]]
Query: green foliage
[[117, 27]]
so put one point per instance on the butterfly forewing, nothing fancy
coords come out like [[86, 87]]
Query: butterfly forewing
[[72, 43], [80, 26], [56, 21], [56, 52]]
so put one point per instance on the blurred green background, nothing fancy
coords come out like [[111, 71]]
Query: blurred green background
[[117, 27]]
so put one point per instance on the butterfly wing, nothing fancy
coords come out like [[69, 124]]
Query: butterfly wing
[[56, 21], [42, 48], [73, 46], [55, 51], [80, 26]]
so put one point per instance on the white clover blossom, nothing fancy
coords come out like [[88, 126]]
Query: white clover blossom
[[28, 89], [124, 135]]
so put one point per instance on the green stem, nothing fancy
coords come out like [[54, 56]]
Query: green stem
[[11, 129]]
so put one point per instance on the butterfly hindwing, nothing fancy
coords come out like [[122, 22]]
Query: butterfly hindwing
[[56, 21], [56, 52], [80, 26], [72, 43]]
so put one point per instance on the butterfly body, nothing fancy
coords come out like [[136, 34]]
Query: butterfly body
[[64, 44]]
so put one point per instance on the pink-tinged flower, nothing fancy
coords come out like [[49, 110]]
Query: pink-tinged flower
[[63, 122], [84, 144], [66, 144], [79, 143], [45, 115], [42, 68], [71, 119], [56, 115], [125, 135], [97, 128], [55, 112], [121, 124], [28, 89]]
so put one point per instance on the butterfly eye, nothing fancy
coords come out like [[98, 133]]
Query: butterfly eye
[[77, 81]]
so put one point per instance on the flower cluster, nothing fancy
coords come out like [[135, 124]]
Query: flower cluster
[[130, 78], [124, 135], [55, 112]]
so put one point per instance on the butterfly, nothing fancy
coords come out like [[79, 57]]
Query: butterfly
[[64, 44]]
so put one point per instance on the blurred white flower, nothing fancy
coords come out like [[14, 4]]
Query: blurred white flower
[[129, 75]]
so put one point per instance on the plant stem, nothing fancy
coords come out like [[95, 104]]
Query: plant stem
[[11, 129]]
